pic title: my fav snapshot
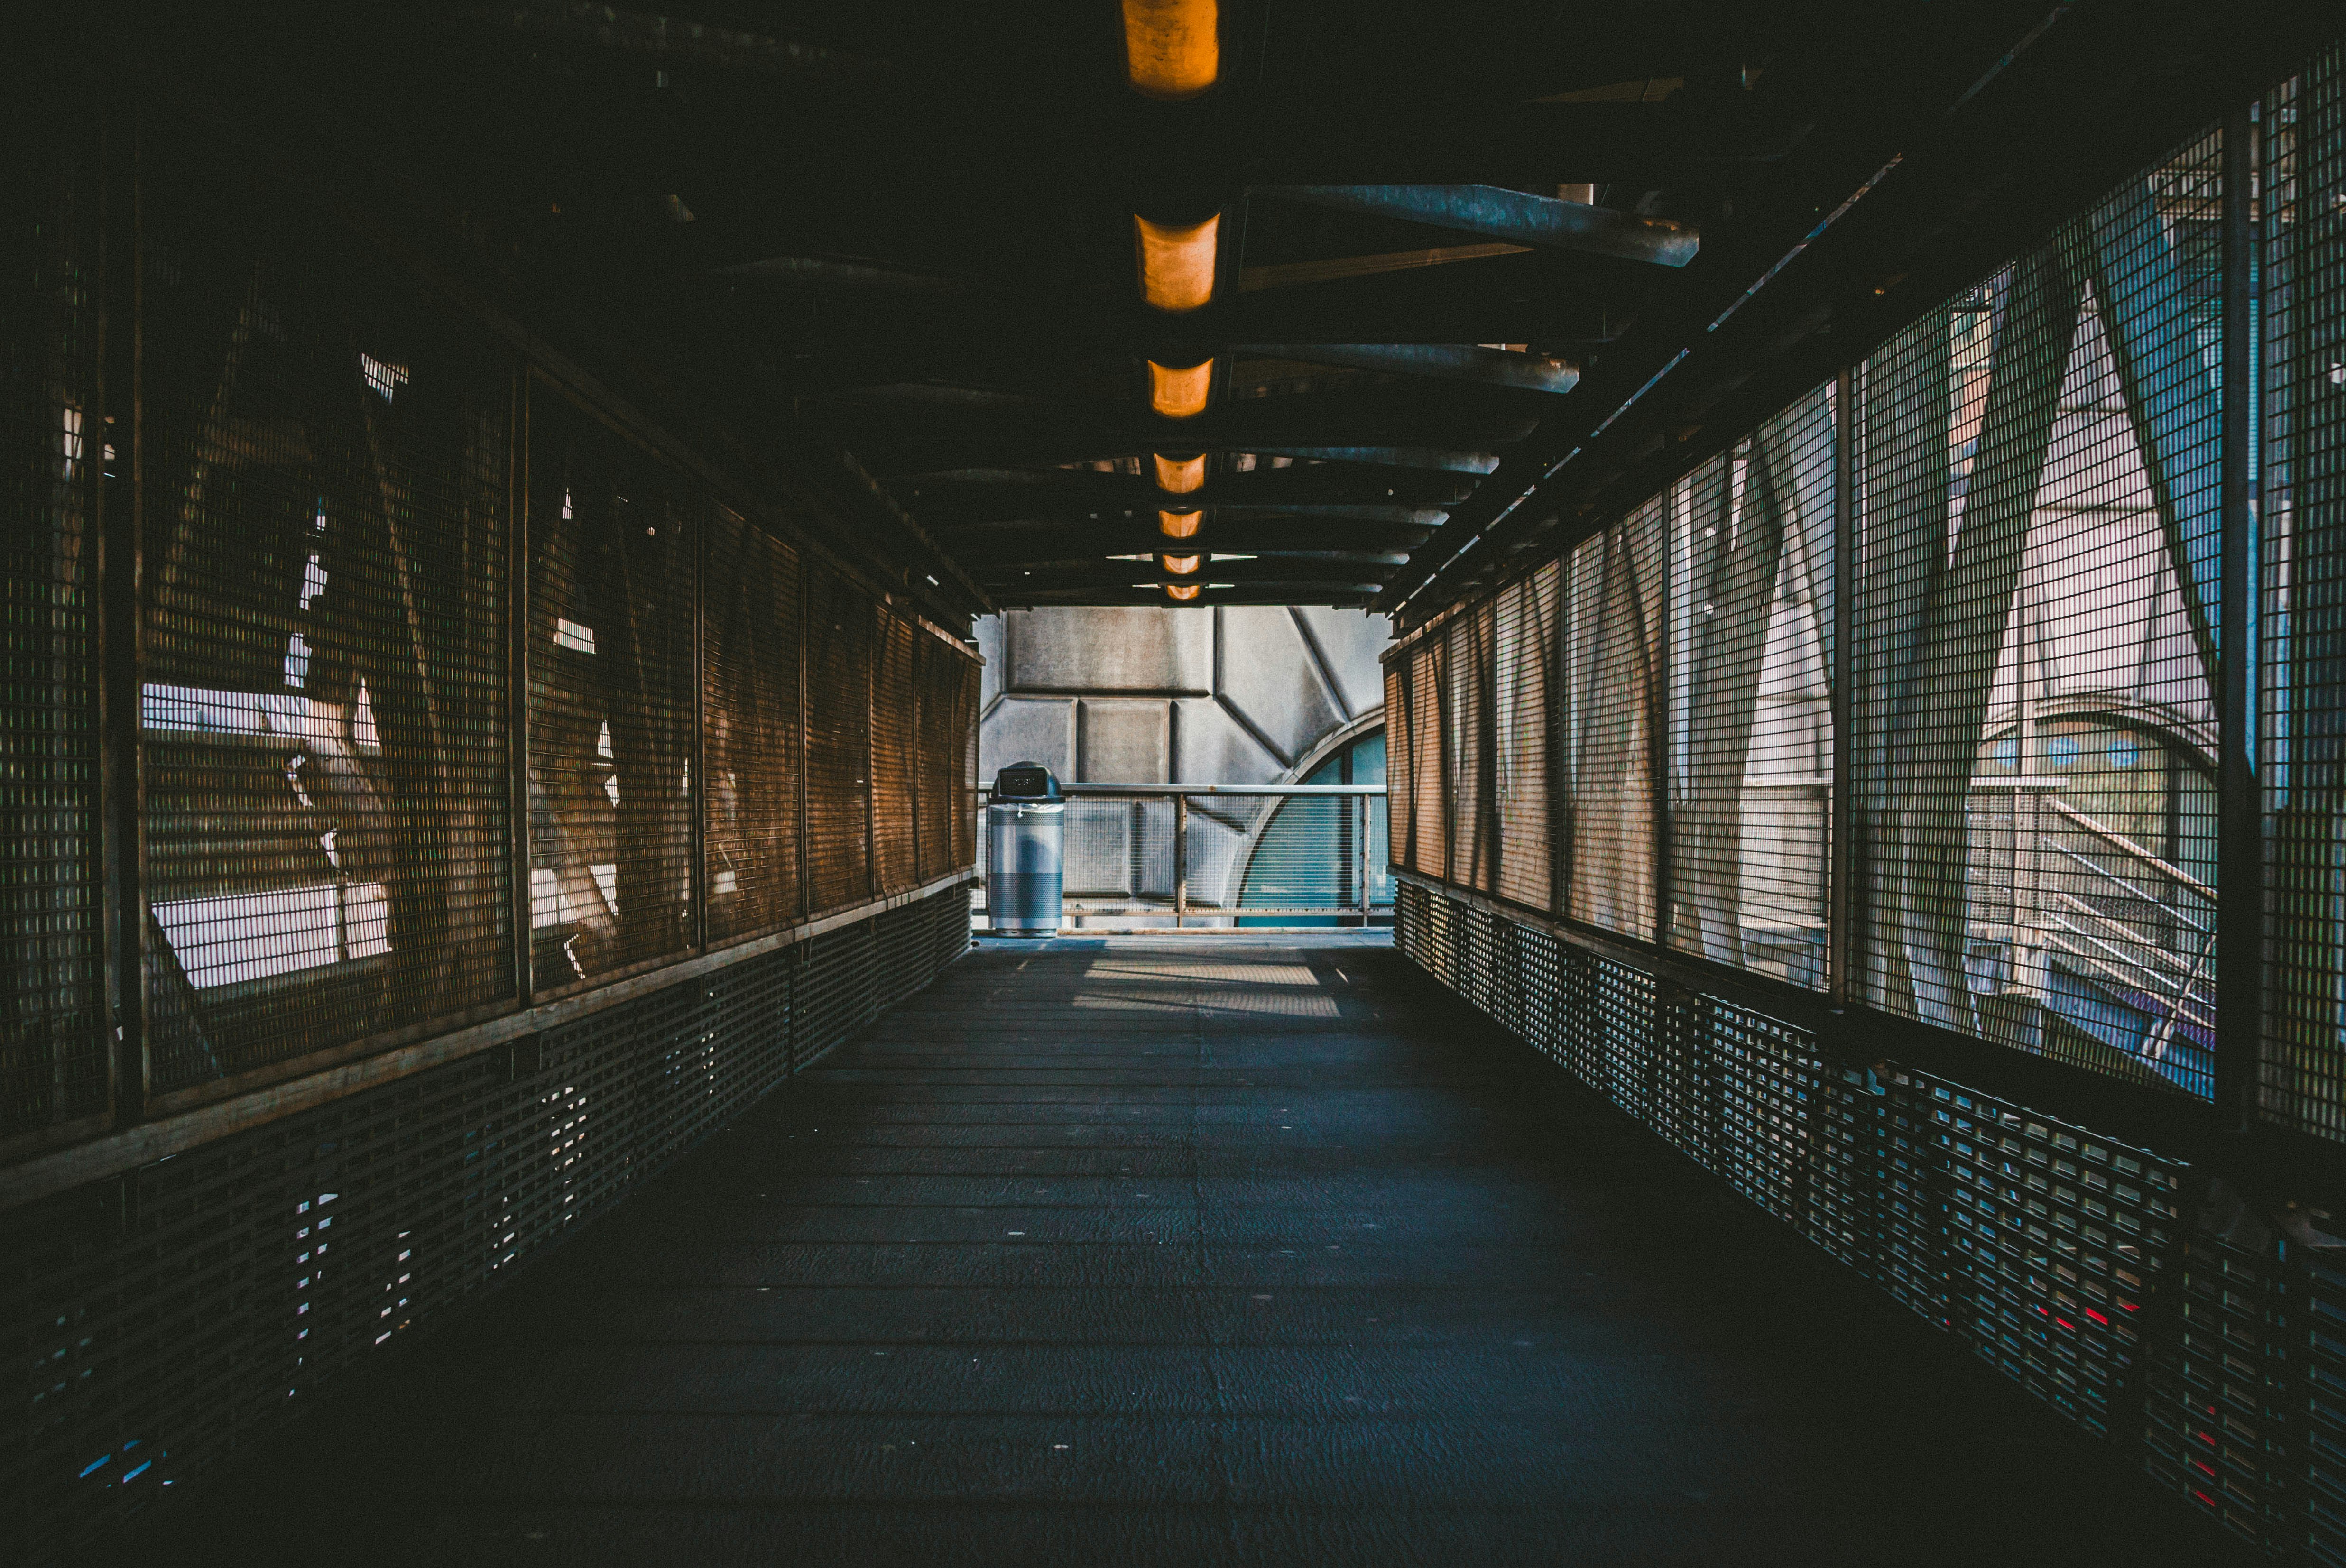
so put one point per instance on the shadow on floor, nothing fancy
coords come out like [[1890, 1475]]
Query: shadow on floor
[[1185, 1251]]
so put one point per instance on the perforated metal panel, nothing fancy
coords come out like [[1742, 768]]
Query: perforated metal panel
[[611, 684], [175, 1316], [324, 685], [1524, 631], [1751, 715], [1611, 753], [2036, 558], [751, 731], [2303, 524], [895, 704], [839, 633], [53, 449]]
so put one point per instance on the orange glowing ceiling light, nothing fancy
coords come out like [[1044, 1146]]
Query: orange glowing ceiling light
[[1179, 393], [1182, 591], [1177, 261], [1181, 565], [1179, 524], [1181, 475], [1172, 48]]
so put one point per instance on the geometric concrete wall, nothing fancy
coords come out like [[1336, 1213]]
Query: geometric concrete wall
[[1234, 695]]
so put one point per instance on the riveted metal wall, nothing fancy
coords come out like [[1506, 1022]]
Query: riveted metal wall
[[171, 1317]]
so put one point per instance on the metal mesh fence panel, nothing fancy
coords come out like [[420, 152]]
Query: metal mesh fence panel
[[751, 731], [1751, 719], [611, 679], [177, 1315], [1398, 734], [895, 704], [325, 684], [2035, 696], [1428, 790], [839, 634], [1611, 620], [1466, 747], [935, 765], [54, 446], [2303, 524], [2137, 1297], [1524, 632]]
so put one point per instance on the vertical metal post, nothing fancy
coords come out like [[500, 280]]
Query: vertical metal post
[[121, 504], [697, 752], [1841, 838], [1180, 859], [1367, 816], [876, 625], [1659, 709], [806, 730], [2240, 915], [1558, 727], [518, 675]]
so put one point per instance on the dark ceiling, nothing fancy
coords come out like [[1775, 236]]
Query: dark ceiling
[[1455, 246]]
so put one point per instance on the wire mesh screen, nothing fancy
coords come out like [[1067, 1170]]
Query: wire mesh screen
[[1611, 620], [751, 730], [1466, 747], [1428, 791], [324, 685], [895, 703], [1524, 633], [1750, 717], [937, 754], [611, 678], [1396, 842], [839, 738], [2302, 515], [52, 448], [2034, 692]]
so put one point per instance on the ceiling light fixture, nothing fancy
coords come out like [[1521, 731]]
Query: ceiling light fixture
[[1181, 565], [1181, 591], [1181, 475], [1179, 524], [1177, 261], [1172, 48], [1178, 393]]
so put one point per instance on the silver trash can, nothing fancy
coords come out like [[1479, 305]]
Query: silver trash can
[[1025, 835]]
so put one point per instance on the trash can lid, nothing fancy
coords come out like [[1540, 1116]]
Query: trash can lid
[[1025, 781]]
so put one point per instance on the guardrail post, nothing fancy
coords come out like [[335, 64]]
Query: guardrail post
[[1180, 859], [1367, 816]]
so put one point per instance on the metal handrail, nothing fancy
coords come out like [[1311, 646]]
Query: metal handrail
[[1167, 790]]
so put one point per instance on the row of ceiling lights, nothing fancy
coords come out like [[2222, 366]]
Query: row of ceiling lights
[[1172, 51]]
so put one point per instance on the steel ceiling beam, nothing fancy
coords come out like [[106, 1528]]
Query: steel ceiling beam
[[1516, 216], [1437, 362]]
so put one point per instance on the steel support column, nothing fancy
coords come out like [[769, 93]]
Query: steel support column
[[2240, 848]]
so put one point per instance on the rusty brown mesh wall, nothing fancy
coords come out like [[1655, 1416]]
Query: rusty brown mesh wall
[[52, 441], [1428, 790], [937, 753], [1397, 774], [1610, 663], [751, 730], [839, 736], [1525, 652], [324, 612], [894, 715], [611, 679]]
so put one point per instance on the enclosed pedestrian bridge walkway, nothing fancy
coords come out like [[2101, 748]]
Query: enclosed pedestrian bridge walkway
[[1690, 664]]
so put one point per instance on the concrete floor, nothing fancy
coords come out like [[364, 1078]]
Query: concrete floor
[[1186, 1250]]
